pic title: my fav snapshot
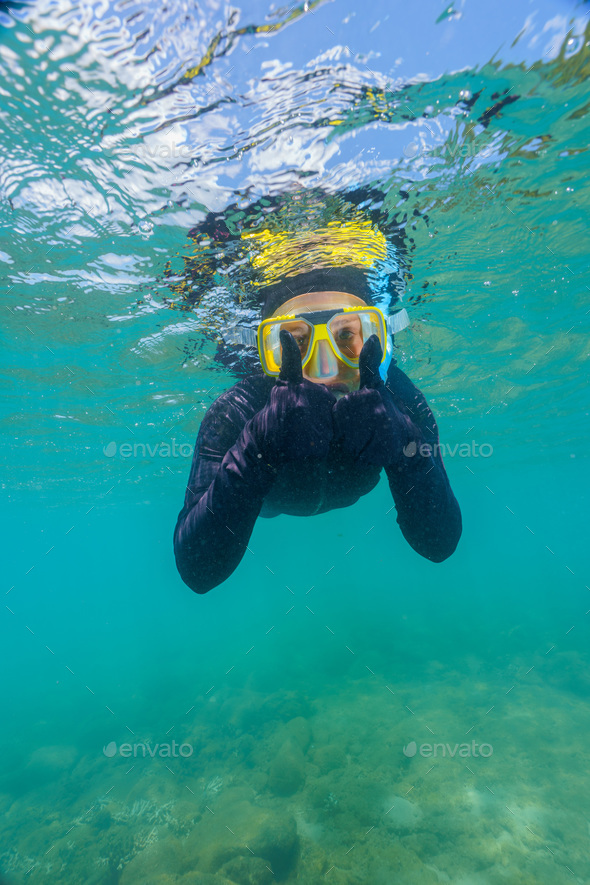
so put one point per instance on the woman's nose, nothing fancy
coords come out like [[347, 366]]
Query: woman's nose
[[323, 363]]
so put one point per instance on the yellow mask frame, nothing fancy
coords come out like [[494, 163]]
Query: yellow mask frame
[[317, 326]]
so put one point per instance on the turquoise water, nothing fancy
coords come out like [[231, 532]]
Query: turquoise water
[[257, 733]]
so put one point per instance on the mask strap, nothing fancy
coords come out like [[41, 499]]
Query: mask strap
[[240, 335], [398, 321]]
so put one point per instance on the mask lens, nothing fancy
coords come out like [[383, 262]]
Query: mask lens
[[374, 324], [270, 342], [302, 332], [347, 334]]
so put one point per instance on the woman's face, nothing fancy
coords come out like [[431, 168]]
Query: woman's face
[[324, 367]]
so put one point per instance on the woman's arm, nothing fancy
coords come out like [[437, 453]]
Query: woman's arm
[[246, 436], [391, 426], [427, 510], [223, 500]]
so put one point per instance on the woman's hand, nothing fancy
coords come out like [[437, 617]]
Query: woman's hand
[[297, 421], [367, 423]]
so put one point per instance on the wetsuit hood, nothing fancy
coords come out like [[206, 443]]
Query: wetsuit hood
[[327, 279]]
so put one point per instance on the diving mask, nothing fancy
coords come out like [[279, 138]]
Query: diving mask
[[326, 339]]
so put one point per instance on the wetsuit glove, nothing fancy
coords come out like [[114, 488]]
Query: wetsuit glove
[[296, 422], [367, 422]]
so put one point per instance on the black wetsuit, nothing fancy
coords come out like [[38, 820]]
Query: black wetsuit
[[231, 483]]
